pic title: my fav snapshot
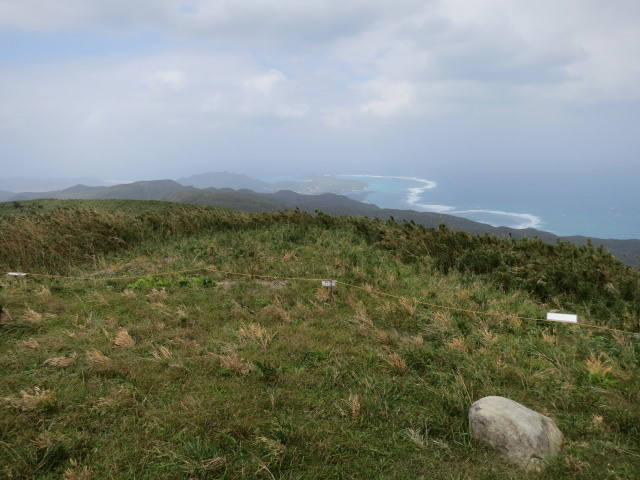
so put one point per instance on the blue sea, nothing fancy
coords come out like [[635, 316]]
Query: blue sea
[[564, 206]]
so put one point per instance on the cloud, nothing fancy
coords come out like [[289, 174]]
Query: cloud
[[265, 82], [391, 97], [174, 79], [342, 74]]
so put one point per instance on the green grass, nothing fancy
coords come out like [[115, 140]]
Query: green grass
[[230, 377]]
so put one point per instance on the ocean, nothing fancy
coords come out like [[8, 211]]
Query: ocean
[[564, 206]]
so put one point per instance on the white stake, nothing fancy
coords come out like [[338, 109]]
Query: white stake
[[562, 317]]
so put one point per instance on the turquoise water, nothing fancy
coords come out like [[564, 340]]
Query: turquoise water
[[599, 208]]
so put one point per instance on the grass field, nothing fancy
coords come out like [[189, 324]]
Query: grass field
[[210, 375]]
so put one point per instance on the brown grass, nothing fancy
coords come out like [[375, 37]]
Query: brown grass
[[162, 353], [232, 361], [31, 343], [458, 343], [275, 447], [256, 332], [417, 437], [31, 316], [322, 294], [38, 400], [76, 472], [442, 319], [118, 396], [43, 292], [408, 306], [487, 336], [157, 295], [288, 256], [361, 317], [396, 361], [124, 340], [97, 358], [598, 366], [61, 362], [353, 405], [275, 310]]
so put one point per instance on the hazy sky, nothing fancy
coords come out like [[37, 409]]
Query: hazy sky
[[157, 88]]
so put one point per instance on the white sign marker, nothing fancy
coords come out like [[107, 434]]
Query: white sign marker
[[328, 283], [562, 317], [16, 274]]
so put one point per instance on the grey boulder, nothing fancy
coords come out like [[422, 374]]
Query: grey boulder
[[524, 437]]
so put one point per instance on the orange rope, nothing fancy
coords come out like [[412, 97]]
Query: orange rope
[[369, 290]]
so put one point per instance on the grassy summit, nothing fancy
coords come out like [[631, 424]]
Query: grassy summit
[[207, 375]]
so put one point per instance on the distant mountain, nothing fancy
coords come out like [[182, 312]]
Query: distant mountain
[[225, 180], [148, 190], [5, 196], [628, 251], [312, 186]]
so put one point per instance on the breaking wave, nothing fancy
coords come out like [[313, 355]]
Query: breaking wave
[[414, 195]]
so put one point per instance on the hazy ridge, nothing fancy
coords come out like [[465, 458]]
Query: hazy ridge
[[628, 251]]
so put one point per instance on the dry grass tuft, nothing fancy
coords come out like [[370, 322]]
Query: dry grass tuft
[[275, 310], [353, 406], [38, 400], [118, 396], [458, 343], [31, 316], [361, 317], [417, 437], [276, 449], [124, 340], [258, 333], [597, 421], [391, 279], [163, 353], [442, 319], [157, 295], [232, 361], [550, 339], [238, 310], [598, 366], [408, 306], [322, 294], [128, 293], [43, 292], [288, 256], [382, 335], [386, 308], [43, 440], [212, 463], [396, 361], [75, 472], [31, 343], [97, 358], [487, 335], [61, 362]]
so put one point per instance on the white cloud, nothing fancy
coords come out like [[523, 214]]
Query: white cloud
[[265, 82], [391, 98], [357, 66], [173, 79]]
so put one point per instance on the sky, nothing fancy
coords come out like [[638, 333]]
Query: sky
[[432, 88]]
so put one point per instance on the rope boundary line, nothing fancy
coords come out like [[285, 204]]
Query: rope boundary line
[[367, 289]]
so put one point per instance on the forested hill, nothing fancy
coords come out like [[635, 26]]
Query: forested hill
[[628, 251]]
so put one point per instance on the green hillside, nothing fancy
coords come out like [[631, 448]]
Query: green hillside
[[156, 366], [627, 251]]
